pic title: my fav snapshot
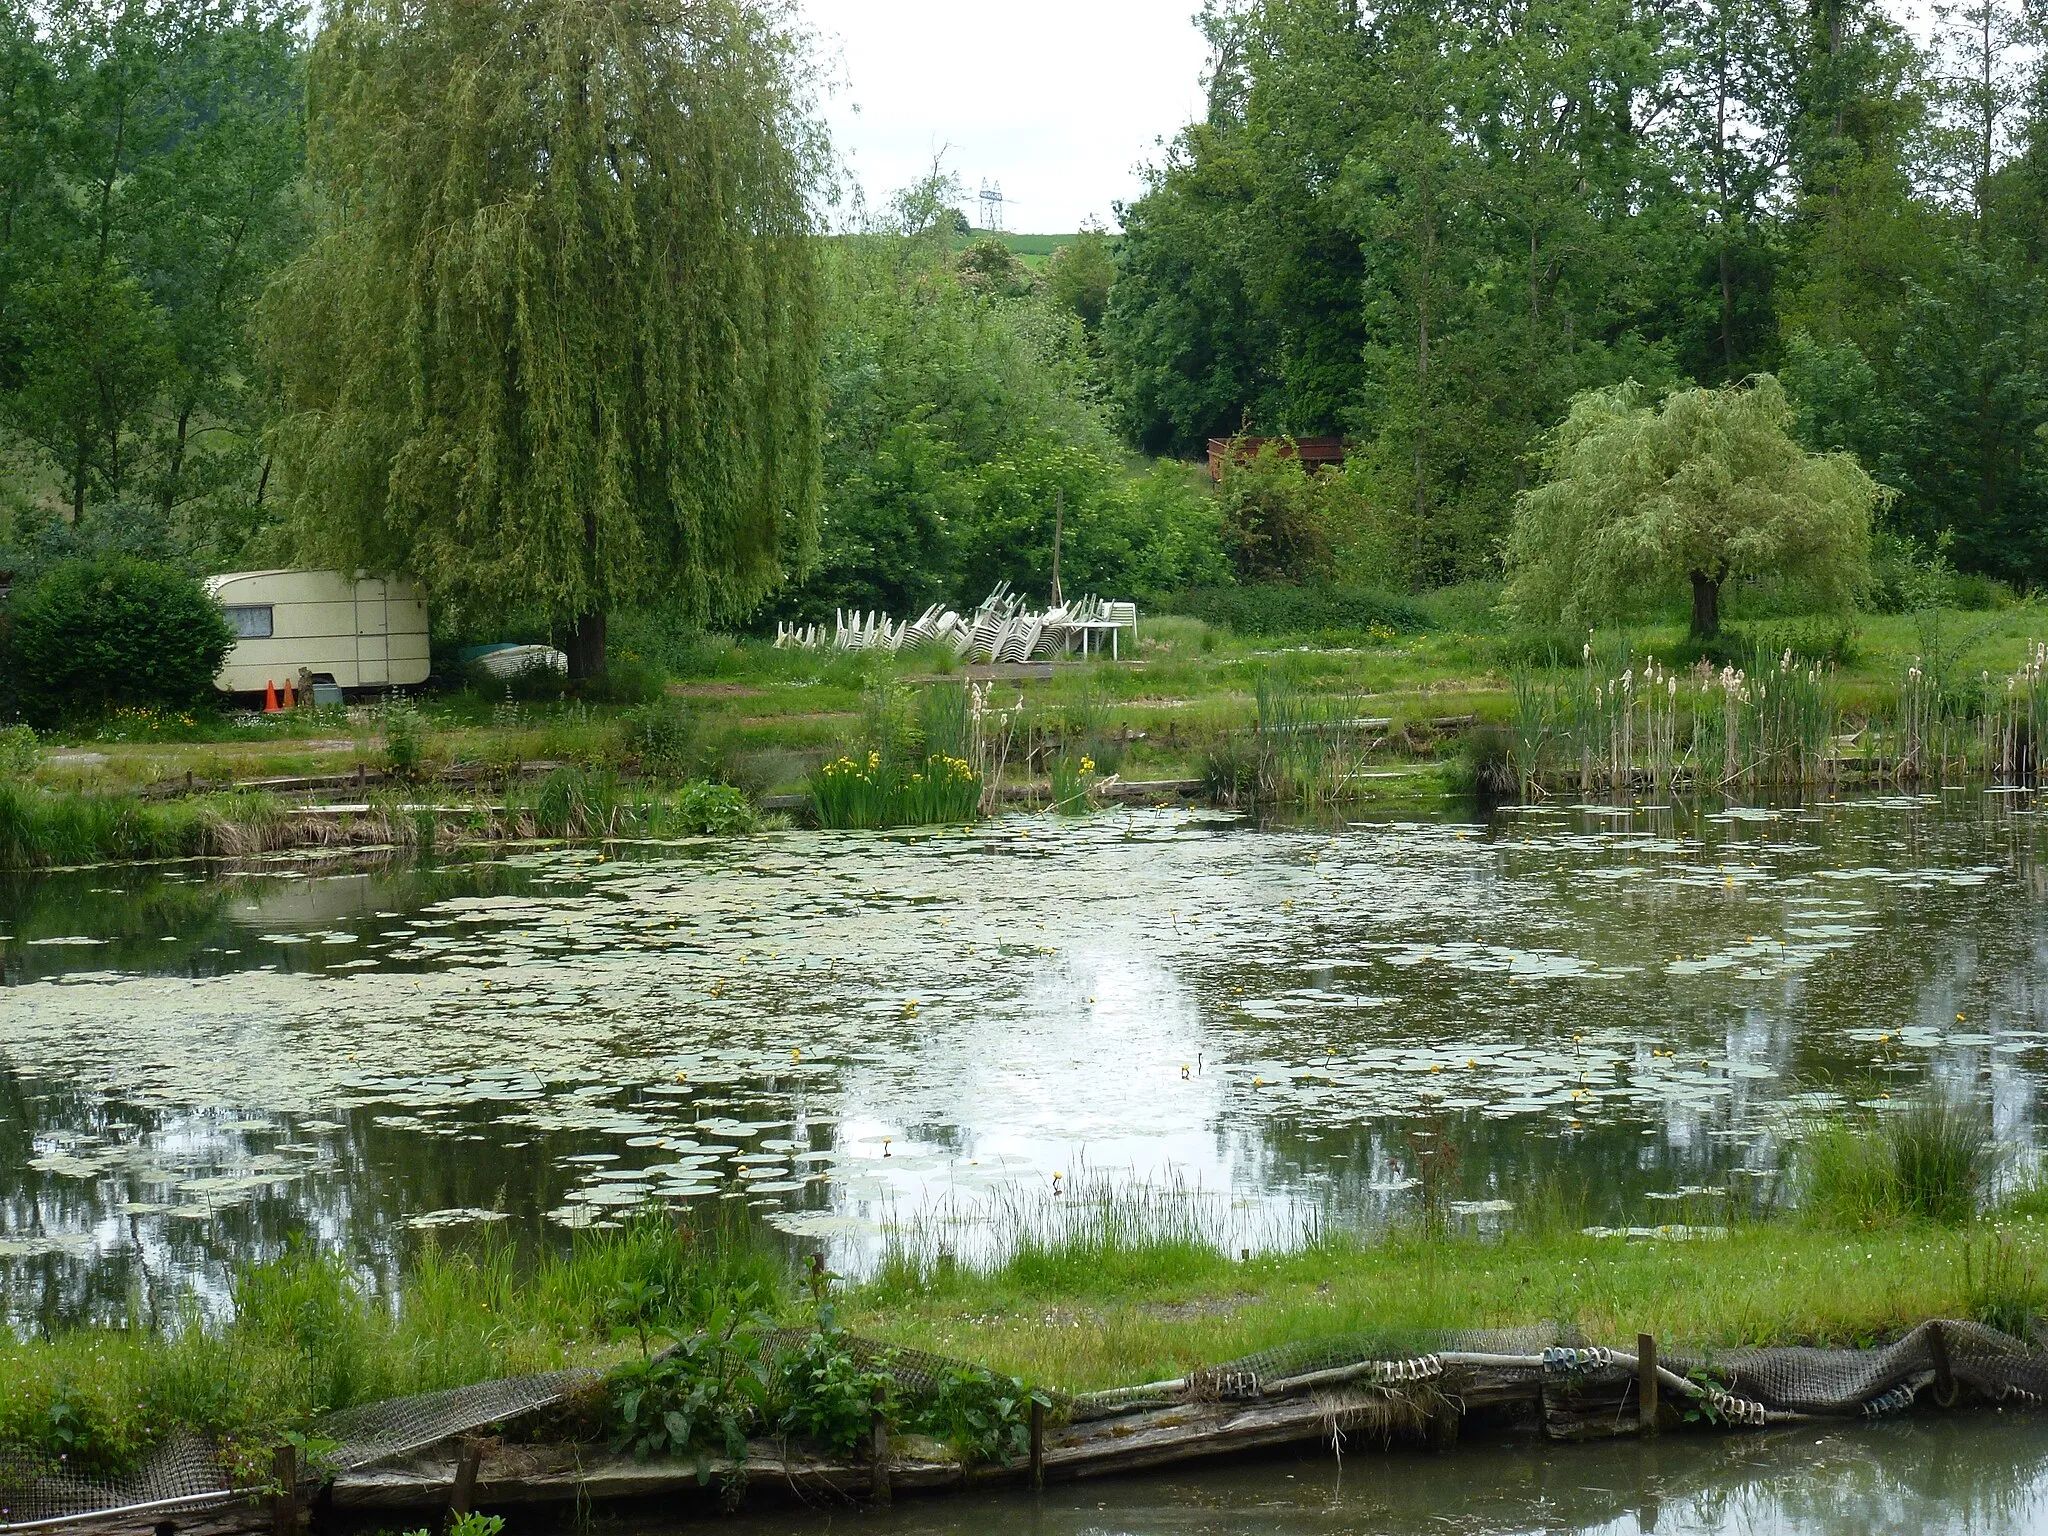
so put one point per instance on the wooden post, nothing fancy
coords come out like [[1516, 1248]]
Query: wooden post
[[1037, 1443], [463, 1499], [284, 1504], [1944, 1373], [878, 1453], [1646, 1382]]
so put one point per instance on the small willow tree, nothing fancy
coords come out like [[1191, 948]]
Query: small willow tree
[[1647, 503], [555, 345]]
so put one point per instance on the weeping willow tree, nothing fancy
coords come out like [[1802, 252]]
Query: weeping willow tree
[[1648, 501], [555, 345]]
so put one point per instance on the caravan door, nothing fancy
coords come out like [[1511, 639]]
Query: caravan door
[[373, 632]]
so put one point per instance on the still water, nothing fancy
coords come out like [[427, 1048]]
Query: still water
[[853, 1029], [1986, 1476]]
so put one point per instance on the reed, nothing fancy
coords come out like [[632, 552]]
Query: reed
[[1623, 724], [1307, 749]]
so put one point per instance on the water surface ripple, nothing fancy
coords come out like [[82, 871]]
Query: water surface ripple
[[846, 1028]]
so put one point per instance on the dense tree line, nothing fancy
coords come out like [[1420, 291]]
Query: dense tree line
[[1431, 223], [150, 163]]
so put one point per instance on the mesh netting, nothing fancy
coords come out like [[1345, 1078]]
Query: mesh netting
[[379, 1431], [1834, 1381], [185, 1473]]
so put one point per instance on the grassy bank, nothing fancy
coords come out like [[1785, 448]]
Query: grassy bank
[[41, 828], [1452, 703], [1099, 1286]]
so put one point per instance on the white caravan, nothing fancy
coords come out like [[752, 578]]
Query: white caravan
[[355, 632]]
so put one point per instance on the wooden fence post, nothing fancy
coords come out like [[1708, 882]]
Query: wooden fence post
[[463, 1499], [1037, 1443], [1646, 1382], [878, 1453], [284, 1504]]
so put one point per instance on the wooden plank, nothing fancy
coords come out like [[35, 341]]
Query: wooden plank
[[1149, 1437]]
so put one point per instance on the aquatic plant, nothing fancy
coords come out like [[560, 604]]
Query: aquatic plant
[[849, 792], [1073, 785]]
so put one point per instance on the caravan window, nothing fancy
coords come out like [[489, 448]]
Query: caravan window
[[250, 621]]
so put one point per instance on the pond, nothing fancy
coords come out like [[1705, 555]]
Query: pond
[[852, 1029]]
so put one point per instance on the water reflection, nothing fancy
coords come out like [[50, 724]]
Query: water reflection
[[1985, 1475], [1624, 1000]]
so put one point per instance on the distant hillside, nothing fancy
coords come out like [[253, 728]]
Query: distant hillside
[[1031, 249]]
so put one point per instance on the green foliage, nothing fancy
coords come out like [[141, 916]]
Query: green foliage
[[152, 160], [21, 752], [1079, 275], [710, 810], [1645, 501], [962, 427], [405, 732], [94, 634], [625, 680], [1073, 784], [1339, 614], [831, 1397], [1274, 521], [1373, 228], [880, 790], [2005, 1291], [708, 1392], [562, 357], [668, 739], [983, 1416]]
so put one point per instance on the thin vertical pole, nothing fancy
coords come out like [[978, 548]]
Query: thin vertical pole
[[1646, 1382], [1037, 1443]]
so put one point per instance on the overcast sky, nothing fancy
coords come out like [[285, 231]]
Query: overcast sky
[[1059, 101]]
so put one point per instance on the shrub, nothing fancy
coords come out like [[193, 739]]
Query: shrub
[[711, 810], [1340, 612], [21, 752], [667, 739], [94, 634]]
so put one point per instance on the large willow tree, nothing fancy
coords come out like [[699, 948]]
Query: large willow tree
[[556, 344]]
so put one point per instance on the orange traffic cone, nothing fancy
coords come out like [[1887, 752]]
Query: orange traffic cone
[[291, 694], [270, 697]]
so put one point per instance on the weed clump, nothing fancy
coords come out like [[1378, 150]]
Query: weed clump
[[1927, 1162]]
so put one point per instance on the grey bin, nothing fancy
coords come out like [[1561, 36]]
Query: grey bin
[[327, 693]]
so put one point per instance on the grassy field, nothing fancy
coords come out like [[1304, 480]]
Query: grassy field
[[763, 719]]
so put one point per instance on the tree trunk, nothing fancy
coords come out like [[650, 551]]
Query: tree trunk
[[1706, 606], [586, 646]]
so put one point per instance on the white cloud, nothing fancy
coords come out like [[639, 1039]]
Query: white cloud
[[1060, 101]]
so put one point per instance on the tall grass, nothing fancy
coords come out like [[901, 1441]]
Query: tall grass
[[1303, 750], [1927, 1162], [306, 1334], [913, 767], [1623, 722]]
